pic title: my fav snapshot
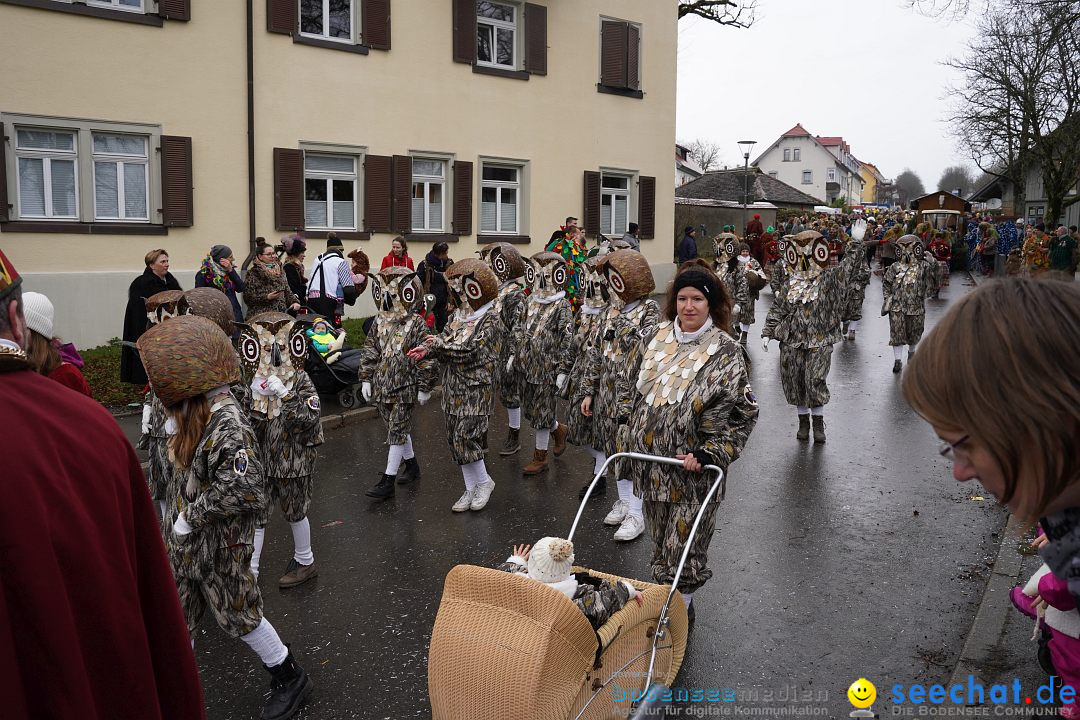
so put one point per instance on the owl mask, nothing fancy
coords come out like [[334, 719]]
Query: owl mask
[[547, 274], [909, 249], [629, 277], [397, 293], [272, 344], [211, 304], [167, 304], [504, 260], [185, 357], [597, 294], [472, 283], [725, 247], [807, 253]]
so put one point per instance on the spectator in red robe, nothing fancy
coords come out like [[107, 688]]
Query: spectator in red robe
[[90, 622]]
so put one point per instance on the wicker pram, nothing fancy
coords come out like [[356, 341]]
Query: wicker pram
[[507, 647]]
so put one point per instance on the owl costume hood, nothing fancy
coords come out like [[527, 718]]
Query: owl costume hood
[[504, 260], [185, 357], [597, 293], [548, 275], [472, 283], [272, 344], [629, 277], [167, 304], [397, 293]]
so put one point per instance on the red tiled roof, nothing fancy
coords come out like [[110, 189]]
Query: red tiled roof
[[797, 131]]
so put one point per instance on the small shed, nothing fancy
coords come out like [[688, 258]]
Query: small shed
[[940, 200]]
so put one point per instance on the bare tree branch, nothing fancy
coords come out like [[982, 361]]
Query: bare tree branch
[[705, 153], [734, 13]]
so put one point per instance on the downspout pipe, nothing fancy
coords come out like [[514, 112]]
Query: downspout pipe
[[251, 130]]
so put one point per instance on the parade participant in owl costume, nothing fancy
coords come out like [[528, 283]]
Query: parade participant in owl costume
[[726, 249], [754, 277], [284, 410], [779, 272], [467, 352], [389, 378], [191, 363], [587, 333], [858, 279], [509, 267], [544, 357], [805, 319], [609, 381], [906, 285], [693, 401]]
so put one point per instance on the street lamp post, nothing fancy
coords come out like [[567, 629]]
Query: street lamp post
[[746, 146]]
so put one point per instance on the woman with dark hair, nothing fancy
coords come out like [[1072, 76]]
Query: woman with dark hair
[[693, 402], [218, 270], [155, 278], [266, 288], [295, 249], [430, 271]]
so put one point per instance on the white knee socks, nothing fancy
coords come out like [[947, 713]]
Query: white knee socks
[[898, 352], [409, 453], [817, 411], [803, 410], [744, 327], [267, 645], [301, 537], [626, 494], [164, 507], [542, 439], [599, 459], [474, 473], [853, 325], [260, 534], [687, 598], [393, 459], [513, 416]]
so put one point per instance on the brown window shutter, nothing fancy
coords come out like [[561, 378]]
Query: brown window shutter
[[465, 31], [646, 207], [375, 23], [613, 54], [288, 189], [463, 189], [5, 209], [281, 16], [175, 9], [177, 201], [592, 202], [402, 200], [378, 176], [633, 57], [535, 39]]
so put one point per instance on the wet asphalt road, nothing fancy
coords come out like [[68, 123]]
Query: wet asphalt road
[[859, 558]]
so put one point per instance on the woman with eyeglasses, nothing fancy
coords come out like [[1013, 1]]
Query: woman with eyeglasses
[[266, 288], [1018, 433]]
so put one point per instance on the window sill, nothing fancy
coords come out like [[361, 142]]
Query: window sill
[[80, 228], [329, 44], [500, 72], [512, 239], [342, 234], [625, 92], [88, 11], [431, 237]]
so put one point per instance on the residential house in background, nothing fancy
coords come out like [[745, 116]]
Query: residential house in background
[[872, 177], [998, 194], [173, 157], [716, 199], [822, 167], [686, 168]]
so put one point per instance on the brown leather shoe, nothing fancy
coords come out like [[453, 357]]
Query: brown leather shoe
[[297, 574], [538, 465], [559, 436]]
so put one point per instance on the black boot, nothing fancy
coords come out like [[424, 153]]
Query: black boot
[[410, 473], [742, 338], [897, 365], [512, 444], [289, 685], [804, 427], [384, 489], [819, 429], [600, 489]]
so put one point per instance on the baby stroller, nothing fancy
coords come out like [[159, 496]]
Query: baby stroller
[[340, 379], [507, 647]]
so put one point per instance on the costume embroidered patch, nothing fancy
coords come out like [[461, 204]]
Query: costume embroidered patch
[[313, 402], [240, 462], [748, 395]]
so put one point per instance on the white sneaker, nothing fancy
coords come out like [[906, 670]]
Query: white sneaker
[[463, 502], [631, 528], [481, 494], [617, 514]]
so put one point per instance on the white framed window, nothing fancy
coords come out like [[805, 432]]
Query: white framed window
[[807, 177], [127, 5], [496, 34], [773, 174], [787, 154], [121, 180], [500, 198], [795, 155], [831, 174], [330, 187], [428, 195], [328, 19], [47, 178], [614, 204]]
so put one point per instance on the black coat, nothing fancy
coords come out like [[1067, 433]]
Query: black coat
[[297, 282], [434, 281], [142, 287]]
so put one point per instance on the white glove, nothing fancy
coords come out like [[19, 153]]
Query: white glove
[[858, 230], [145, 419], [170, 426], [422, 397], [560, 382], [510, 364], [765, 343], [181, 526], [365, 390], [736, 309], [258, 387], [274, 386]]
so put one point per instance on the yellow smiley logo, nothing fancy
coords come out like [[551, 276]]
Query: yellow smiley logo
[[862, 693]]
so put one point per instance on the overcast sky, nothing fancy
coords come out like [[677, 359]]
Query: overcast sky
[[867, 70]]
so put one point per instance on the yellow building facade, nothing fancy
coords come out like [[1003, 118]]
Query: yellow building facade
[[871, 177], [126, 127]]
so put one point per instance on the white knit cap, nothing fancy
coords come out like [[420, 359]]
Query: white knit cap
[[39, 313], [551, 559]]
